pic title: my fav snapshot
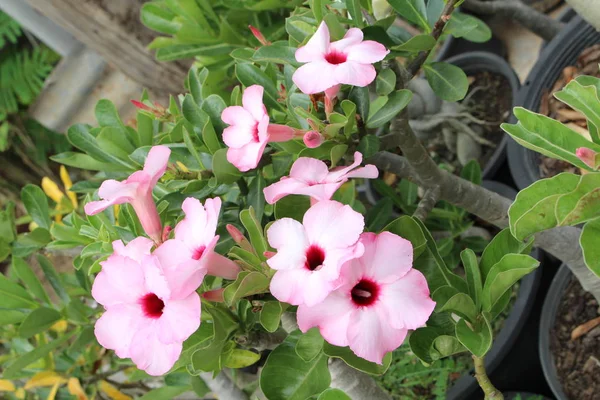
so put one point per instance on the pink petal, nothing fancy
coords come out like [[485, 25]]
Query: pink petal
[[406, 301], [117, 326], [156, 281], [300, 286], [319, 284], [333, 225], [156, 163], [354, 73], [313, 139], [289, 238], [370, 336], [221, 266], [238, 135], [387, 256], [121, 281], [340, 173], [332, 316], [263, 129], [198, 227], [236, 115], [145, 209], [137, 249], [252, 100], [367, 52], [112, 192], [316, 77], [280, 133], [215, 295], [353, 37], [150, 354], [368, 171], [316, 47], [333, 91], [179, 320], [284, 187], [247, 157], [309, 170]]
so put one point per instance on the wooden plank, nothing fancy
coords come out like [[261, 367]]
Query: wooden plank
[[96, 25]]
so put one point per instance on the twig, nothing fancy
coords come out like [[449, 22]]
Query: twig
[[537, 22], [368, 17], [491, 393], [585, 328], [430, 197], [438, 28]]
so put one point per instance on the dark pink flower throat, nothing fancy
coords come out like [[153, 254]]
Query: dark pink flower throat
[[365, 293], [335, 57], [152, 305], [314, 257], [198, 252]]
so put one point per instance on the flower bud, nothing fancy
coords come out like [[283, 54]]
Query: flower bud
[[313, 139], [259, 36], [588, 156]]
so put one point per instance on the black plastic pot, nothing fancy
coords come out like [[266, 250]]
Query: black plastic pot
[[561, 52], [506, 338], [549, 310]]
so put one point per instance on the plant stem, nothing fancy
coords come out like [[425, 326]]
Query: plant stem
[[491, 393], [430, 197]]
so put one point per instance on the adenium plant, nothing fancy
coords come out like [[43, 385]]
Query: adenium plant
[[230, 222]]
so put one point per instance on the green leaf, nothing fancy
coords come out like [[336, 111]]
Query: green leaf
[[360, 97], [224, 171], [183, 51], [477, 341], [79, 136], [447, 299], [395, 103], [249, 75], [159, 19], [36, 203], [472, 275], [368, 145], [255, 231], [113, 141], [534, 207], [406, 227], [14, 296], [246, 284], [38, 321], [448, 81], [386, 82], [164, 393], [83, 161], [270, 315], [409, 191], [310, 344], [256, 198], [107, 115], [286, 376], [239, 358], [355, 10], [431, 343], [355, 361], [416, 44], [292, 206], [30, 242], [5, 250], [503, 275], [549, 137], [590, 245], [413, 11], [53, 278], [207, 356], [201, 122], [333, 394], [10, 317], [279, 53], [378, 216], [213, 106], [472, 172], [16, 368], [28, 277], [434, 11], [582, 203], [468, 27], [585, 100]]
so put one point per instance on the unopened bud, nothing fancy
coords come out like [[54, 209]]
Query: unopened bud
[[588, 156], [214, 295], [141, 106], [313, 139], [235, 233], [259, 36]]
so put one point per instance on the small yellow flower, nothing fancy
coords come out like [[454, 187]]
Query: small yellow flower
[[67, 183], [182, 166], [60, 326], [55, 193], [76, 390]]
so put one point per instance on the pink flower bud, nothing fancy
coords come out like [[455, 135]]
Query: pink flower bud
[[235, 233], [141, 106], [269, 254], [313, 139], [588, 156], [259, 36], [214, 295]]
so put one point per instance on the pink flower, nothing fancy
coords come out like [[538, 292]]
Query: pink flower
[[379, 299], [250, 131], [347, 61], [311, 177], [588, 156], [313, 139], [137, 190], [191, 253], [310, 255], [150, 310]]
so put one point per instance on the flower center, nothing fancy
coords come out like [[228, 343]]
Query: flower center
[[255, 133], [365, 293], [152, 305], [314, 257], [198, 252], [335, 57]]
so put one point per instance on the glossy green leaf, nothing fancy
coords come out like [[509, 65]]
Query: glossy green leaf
[[256, 198], [355, 361], [310, 344], [36, 203], [30, 242], [448, 81], [213, 106], [292, 206], [28, 277], [472, 172], [590, 245], [79, 136], [582, 203], [395, 103], [430, 344], [549, 137], [278, 53], [585, 100], [255, 231], [53, 277], [159, 19], [406, 227], [379, 215], [224, 171], [416, 44], [247, 283], [164, 393], [368, 145], [84, 161], [240, 358], [478, 340], [360, 97], [14, 296], [503, 275], [333, 394], [408, 191], [458, 303], [286, 376], [413, 11], [385, 82], [468, 27], [249, 75], [270, 315], [207, 355], [355, 10], [472, 275], [38, 321], [534, 207]]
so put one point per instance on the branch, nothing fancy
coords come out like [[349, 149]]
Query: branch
[[438, 28], [223, 387], [537, 22], [491, 393], [430, 197]]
